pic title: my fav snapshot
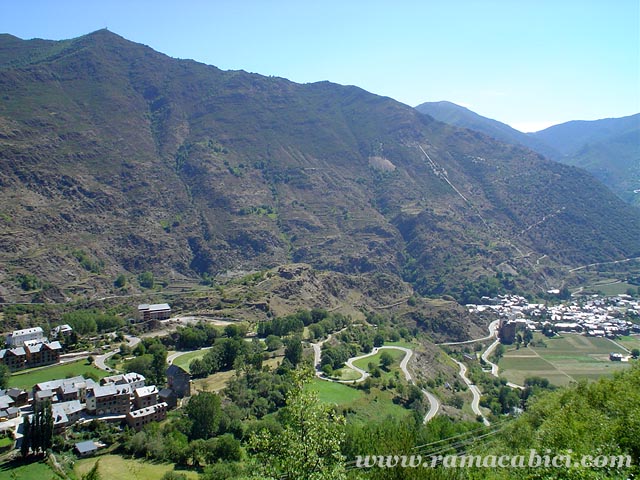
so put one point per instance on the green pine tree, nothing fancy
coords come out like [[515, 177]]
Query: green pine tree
[[26, 437]]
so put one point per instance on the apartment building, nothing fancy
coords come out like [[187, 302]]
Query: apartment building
[[141, 417]]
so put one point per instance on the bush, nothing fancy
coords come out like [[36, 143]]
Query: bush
[[146, 280], [173, 475]]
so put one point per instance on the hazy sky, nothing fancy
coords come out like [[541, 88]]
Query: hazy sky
[[528, 63]]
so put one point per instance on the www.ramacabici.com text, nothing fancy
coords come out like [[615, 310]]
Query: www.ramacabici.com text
[[534, 459]]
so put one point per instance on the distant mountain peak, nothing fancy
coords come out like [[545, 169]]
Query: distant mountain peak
[[608, 148]]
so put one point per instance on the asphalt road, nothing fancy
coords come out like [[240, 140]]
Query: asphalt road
[[100, 361], [475, 391], [434, 403]]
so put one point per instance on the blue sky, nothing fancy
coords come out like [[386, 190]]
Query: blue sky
[[528, 63]]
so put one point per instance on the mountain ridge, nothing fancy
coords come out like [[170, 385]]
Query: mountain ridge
[[122, 158], [607, 148]]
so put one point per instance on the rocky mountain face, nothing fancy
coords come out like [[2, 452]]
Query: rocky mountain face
[[116, 159], [609, 148]]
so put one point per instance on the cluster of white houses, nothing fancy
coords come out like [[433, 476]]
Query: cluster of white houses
[[599, 317]]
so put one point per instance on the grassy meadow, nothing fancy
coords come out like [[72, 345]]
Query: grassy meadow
[[28, 378], [186, 358], [358, 404], [114, 467]]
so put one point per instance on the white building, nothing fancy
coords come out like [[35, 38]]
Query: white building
[[158, 311], [61, 330], [135, 380], [18, 337]]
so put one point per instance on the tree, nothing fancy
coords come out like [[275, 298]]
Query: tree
[[38, 432], [141, 365], [125, 350], [235, 330], [146, 280], [273, 343], [293, 350], [198, 368], [158, 363], [226, 448], [386, 360], [308, 447], [120, 281], [457, 401], [26, 437], [635, 353], [528, 336], [205, 415], [5, 375]]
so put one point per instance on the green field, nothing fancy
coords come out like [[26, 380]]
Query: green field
[[114, 467], [567, 358], [397, 356], [363, 406], [28, 378], [332, 392], [611, 287], [345, 374], [16, 470], [185, 359], [400, 343], [629, 342]]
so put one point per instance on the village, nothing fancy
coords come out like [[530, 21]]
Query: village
[[596, 316], [123, 399]]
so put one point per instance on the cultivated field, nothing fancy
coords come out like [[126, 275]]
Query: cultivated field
[[332, 392], [567, 358], [629, 342]]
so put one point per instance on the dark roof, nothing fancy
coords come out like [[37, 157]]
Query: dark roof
[[14, 392], [176, 370], [165, 392], [84, 447]]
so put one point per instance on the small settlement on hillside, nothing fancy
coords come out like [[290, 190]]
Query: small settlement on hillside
[[123, 398], [597, 317]]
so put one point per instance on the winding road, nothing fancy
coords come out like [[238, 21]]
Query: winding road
[[487, 353], [101, 360], [493, 330], [434, 403], [475, 391]]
